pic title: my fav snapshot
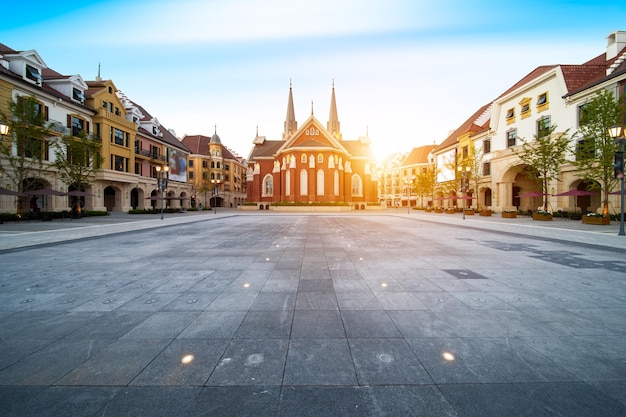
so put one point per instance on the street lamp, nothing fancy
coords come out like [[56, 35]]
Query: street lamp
[[464, 174], [408, 184], [617, 133], [215, 192], [162, 175], [4, 130]]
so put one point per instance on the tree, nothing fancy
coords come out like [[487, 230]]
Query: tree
[[595, 147], [544, 156], [77, 159], [425, 183], [25, 147]]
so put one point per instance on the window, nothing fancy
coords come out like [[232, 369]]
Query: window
[[191, 163], [582, 114], [226, 167], [487, 168], [77, 125], [154, 151], [118, 137], [320, 182], [320, 158], [511, 137], [525, 107], [304, 182], [542, 102], [204, 175], [268, 186], [212, 164], [585, 149], [118, 163], [543, 126], [357, 186], [78, 95], [205, 164], [510, 113], [486, 146], [32, 74], [303, 158], [464, 152]]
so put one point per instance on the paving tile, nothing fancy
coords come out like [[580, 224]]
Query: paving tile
[[319, 362], [185, 362], [261, 401], [314, 324], [386, 362], [214, 324], [266, 324], [369, 324], [251, 362]]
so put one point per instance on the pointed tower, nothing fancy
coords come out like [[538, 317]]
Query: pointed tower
[[333, 120], [290, 121]]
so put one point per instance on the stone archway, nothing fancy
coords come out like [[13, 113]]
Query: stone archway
[[112, 198]]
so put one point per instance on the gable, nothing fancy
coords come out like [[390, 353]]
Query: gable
[[312, 135]]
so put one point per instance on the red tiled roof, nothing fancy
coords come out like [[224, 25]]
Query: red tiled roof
[[419, 155], [468, 126]]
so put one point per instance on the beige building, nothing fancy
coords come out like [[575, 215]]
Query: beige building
[[216, 174]]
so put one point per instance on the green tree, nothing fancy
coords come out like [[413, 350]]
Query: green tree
[[425, 183], [24, 149], [544, 156], [595, 147], [77, 159]]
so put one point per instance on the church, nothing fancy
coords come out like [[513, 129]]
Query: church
[[312, 164]]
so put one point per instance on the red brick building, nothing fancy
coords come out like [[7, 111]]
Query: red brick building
[[312, 164]]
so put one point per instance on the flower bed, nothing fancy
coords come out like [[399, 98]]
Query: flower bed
[[485, 213], [596, 220], [509, 214], [544, 217]]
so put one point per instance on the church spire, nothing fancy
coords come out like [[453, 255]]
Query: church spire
[[333, 119], [290, 121]]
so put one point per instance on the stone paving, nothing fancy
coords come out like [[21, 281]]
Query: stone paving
[[265, 314]]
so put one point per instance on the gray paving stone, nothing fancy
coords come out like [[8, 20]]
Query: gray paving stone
[[251, 362], [312, 314], [387, 362], [319, 362]]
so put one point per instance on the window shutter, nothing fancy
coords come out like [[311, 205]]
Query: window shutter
[[46, 112], [87, 127], [69, 121]]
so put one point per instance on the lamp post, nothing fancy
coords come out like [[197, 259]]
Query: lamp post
[[408, 184], [215, 192], [464, 174], [617, 133], [162, 175]]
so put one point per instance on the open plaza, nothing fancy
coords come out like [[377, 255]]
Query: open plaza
[[235, 313]]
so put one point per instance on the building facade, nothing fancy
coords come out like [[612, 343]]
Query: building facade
[[549, 97], [312, 164], [217, 175], [133, 143]]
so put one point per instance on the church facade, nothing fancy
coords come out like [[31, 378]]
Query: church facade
[[312, 164]]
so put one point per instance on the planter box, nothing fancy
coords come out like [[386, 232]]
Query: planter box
[[542, 217], [509, 215], [438, 210], [596, 220], [450, 211], [469, 212], [485, 213], [428, 210]]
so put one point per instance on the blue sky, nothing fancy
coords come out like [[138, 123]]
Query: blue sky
[[405, 71]]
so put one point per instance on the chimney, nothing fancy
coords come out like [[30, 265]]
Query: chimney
[[616, 41]]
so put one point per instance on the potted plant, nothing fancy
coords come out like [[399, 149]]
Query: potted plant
[[596, 218], [438, 210], [509, 214], [469, 211], [542, 215]]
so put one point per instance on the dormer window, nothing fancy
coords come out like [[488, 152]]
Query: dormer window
[[32, 74], [78, 95], [542, 102], [510, 115]]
